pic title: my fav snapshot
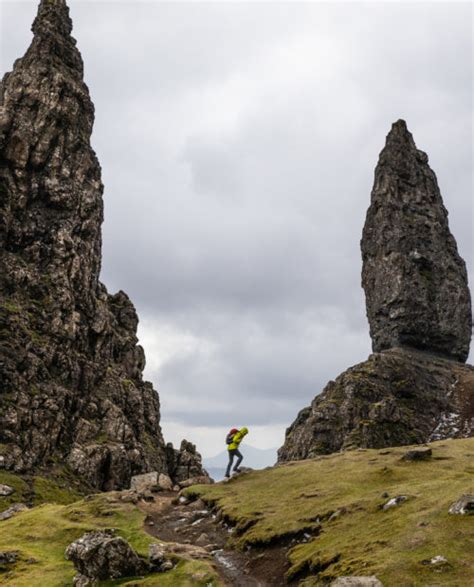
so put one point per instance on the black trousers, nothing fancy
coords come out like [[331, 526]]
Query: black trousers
[[233, 453]]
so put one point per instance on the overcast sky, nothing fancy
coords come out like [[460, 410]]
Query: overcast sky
[[238, 143]]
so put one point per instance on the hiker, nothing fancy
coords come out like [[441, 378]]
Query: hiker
[[234, 438]]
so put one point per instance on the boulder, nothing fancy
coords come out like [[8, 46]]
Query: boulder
[[463, 506], [11, 511], [143, 483], [102, 555], [165, 482], [371, 581], [6, 490]]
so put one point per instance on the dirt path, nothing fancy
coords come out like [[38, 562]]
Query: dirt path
[[196, 533]]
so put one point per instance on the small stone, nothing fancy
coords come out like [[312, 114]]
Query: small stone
[[395, 501], [463, 506], [200, 480], [11, 511], [6, 490], [129, 497], [436, 561], [418, 455], [202, 540], [8, 557], [166, 566], [371, 581], [337, 514], [156, 554]]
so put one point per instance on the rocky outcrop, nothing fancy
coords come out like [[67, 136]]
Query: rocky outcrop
[[397, 397], [185, 463], [416, 388], [70, 367], [415, 282]]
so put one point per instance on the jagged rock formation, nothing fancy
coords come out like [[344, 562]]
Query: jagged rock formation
[[415, 282], [71, 388], [415, 389]]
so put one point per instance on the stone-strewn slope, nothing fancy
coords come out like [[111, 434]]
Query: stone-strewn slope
[[71, 383], [415, 389], [414, 279]]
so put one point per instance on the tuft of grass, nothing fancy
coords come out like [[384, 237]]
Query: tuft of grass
[[43, 533], [362, 539], [48, 491]]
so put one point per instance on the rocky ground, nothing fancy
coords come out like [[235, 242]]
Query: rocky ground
[[197, 531], [399, 516]]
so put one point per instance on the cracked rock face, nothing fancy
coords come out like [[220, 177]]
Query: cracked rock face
[[70, 367], [415, 282]]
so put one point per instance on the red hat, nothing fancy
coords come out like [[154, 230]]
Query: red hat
[[233, 431]]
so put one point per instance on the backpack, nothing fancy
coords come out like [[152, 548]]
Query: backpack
[[230, 437]]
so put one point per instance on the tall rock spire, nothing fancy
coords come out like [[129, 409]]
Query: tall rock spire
[[51, 208], [71, 386], [414, 279]]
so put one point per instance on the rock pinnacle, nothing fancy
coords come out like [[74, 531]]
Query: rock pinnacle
[[71, 385], [414, 278]]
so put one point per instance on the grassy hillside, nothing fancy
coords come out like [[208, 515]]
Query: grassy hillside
[[336, 500], [42, 534]]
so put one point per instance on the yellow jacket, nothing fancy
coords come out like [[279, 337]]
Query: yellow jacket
[[237, 439]]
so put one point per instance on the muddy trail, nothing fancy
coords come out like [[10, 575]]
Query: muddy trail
[[196, 532]]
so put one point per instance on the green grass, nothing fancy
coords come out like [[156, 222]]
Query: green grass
[[44, 532], [273, 504], [38, 490], [19, 485]]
